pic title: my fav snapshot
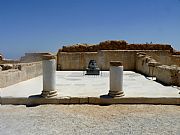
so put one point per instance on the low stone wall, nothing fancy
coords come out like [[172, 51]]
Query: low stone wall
[[169, 75], [146, 65], [24, 72]]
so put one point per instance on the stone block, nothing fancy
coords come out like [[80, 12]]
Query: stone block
[[40, 100], [14, 101], [74, 100], [94, 100], [64, 100], [84, 100]]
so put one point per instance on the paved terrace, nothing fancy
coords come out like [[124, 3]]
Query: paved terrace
[[77, 85]]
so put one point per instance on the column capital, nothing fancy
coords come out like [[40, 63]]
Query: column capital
[[115, 63], [48, 57]]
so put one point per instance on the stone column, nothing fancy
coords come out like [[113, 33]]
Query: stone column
[[49, 76], [116, 79]]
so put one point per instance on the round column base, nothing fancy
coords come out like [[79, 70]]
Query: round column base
[[116, 93], [49, 94]]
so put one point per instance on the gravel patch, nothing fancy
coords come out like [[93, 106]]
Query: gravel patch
[[90, 119]]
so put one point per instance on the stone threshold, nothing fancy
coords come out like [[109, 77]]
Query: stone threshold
[[35, 100]]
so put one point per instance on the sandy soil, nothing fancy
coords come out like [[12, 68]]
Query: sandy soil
[[90, 119]]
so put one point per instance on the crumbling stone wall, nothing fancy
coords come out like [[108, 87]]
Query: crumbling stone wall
[[145, 64], [12, 71], [169, 75], [114, 45], [74, 57], [80, 60], [22, 72], [33, 57], [175, 60]]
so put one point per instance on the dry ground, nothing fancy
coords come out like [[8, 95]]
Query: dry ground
[[90, 119]]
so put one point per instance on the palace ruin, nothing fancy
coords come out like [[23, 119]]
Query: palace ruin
[[160, 61]]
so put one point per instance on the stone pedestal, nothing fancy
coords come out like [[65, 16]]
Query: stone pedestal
[[49, 76], [116, 79]]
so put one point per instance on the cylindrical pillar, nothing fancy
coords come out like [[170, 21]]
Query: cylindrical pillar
[[116, 79], [49, 76]]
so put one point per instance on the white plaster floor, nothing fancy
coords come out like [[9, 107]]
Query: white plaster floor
[[76, 84]]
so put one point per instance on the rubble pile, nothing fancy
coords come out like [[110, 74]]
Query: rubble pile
[[114, 45]]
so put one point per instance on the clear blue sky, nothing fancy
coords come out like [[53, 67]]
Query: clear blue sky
[[46, 25]]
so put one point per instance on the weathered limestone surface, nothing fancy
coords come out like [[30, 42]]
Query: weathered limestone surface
[[175, 60], [24, 72], [169, 75], [114, 45], [146, 65], [75, 60], [80, 60]]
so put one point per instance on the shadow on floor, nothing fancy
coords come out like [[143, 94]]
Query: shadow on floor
[[105, 97], [31, 104]]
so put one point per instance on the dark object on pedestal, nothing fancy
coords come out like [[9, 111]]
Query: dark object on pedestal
[[92, 68]]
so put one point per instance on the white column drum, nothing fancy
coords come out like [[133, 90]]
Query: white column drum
[[49, 76], [116, 79]]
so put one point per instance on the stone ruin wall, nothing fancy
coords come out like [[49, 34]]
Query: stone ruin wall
[[166, 74], [19, 72], [161, 61], [175, 60], [76, 57], [12, 72], [80, 60], [114, 45]]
